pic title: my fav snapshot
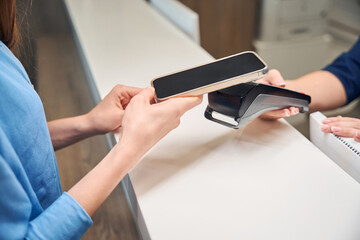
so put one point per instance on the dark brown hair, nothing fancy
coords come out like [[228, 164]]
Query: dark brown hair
[[9, 34]]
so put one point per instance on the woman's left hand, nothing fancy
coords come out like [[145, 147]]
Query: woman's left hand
[[107, 115], [342, 127]]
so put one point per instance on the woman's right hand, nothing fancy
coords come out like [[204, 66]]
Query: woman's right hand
[[145, 123], [274, 78]]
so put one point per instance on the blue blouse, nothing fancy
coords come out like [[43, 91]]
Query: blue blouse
[[347, 68], [32, 205]]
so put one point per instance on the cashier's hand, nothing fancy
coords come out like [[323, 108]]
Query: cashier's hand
[[145, 123], [342, 126], [274, 78], [108, 114]]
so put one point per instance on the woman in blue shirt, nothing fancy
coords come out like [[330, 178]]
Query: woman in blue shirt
[[32, 205], [334, 86]]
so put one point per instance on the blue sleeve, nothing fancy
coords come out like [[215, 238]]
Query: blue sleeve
[[347, 69], [63, 219]]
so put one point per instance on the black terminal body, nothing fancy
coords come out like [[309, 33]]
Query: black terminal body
[[247, 101]]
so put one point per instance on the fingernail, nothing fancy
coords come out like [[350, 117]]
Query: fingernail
[[326, 121], [324, 127], [295, 110], [339, 116], [282, 84], [287, 113], [357, 135], [335, 129]]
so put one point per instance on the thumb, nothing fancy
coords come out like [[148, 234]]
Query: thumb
[[148, 93], [275, 78], [183, 104]]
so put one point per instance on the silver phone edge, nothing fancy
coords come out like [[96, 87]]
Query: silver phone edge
[[252, 76]]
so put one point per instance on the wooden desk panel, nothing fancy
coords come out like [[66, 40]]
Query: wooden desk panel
[[226, 27]]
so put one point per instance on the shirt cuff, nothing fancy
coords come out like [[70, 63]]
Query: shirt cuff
[[63, 219]]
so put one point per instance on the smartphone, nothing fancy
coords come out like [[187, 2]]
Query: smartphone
[[225, 72]]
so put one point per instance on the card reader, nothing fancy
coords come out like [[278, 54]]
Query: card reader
[[245, 102]]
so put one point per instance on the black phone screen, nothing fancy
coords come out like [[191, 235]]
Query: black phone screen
[[206, 74]]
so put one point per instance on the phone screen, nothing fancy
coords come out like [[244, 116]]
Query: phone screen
[[207, 74]]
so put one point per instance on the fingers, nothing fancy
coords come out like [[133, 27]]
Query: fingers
[[342, 127], [123, 94], [340, 122], [130, 91], [337, 119], [294, 111], [354, 125], [339, 131], [281, 113], [357, 136], [276, 114]]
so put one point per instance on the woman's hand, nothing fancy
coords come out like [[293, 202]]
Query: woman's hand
[[107, 115], [144, 123], [274, 78], [342, 126]]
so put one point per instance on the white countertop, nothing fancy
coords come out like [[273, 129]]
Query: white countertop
[[205, 181]]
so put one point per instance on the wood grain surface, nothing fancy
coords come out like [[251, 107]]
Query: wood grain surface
[[64, 90], [226, 27]]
